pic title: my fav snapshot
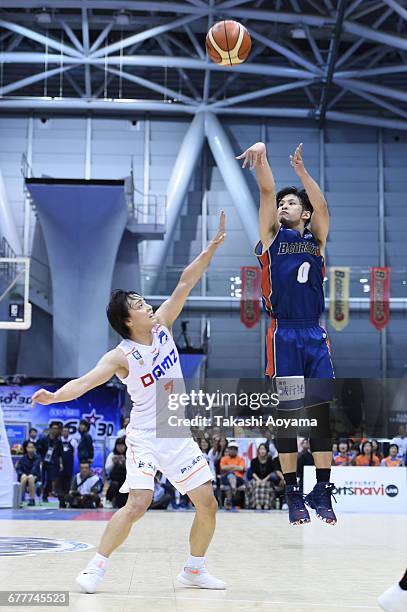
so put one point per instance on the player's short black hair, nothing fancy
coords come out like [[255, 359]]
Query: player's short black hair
[[301, 195], [118, 311]]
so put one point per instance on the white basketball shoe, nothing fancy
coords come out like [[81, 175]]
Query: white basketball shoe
[[200, 578]]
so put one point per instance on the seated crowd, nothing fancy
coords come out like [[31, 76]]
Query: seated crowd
[[47, 467]]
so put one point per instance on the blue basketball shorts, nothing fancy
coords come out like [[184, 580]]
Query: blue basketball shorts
[[298, 357]]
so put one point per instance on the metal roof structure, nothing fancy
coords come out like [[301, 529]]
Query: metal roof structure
[[343, 60]]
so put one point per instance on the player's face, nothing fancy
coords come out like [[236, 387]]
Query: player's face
[[141, 315], [290, 211]]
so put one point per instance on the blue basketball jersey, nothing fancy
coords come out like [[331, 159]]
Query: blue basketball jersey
[[293, 271]]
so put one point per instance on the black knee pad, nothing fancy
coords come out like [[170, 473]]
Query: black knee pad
[[321, 429]]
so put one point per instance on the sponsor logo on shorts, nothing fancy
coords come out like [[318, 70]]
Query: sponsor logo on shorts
[[191, 466], [143, 464]]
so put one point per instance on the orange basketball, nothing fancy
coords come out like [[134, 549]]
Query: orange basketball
[[228, 43]]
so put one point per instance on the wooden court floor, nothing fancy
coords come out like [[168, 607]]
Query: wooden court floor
[[267, 564]]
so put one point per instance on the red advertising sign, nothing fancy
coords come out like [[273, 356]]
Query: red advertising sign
[[249, 301], [379, 297]]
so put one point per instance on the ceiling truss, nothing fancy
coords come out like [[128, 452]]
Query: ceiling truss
[[335, 60]]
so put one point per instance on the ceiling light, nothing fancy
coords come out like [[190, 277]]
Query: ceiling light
[[43, 16], [298, 33], [122, 18]]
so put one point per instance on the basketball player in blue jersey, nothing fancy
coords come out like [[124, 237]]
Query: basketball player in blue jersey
[[294, 226], [148, 353]]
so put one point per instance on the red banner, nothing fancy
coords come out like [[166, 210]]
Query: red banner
[[249, 301], [379, 297]]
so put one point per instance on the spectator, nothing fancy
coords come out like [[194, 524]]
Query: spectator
[[232, 468], [261, 494], [392, 460], [401, 441], [28, 470], [50, 449], [115, 468], [206, 449], [355, 449], [85, 488], [376, 450], [69, 444], [277, 478], [343, 457], [33, 435], [124, 422], [85, 445], [214, 454], [335, 448], [304, 458], [366, 457], [161, 499]]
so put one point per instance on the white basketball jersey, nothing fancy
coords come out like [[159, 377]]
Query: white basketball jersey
[[148, 363]]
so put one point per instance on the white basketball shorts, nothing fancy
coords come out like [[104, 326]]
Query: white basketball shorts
[[179, 459]]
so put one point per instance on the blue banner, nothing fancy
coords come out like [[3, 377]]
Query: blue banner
[[101, 407]]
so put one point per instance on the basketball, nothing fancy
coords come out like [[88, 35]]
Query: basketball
[[228, 43]]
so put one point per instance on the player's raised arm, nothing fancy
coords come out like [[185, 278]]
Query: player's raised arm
[[256, 157], [320, 216], [171, 308], [100, 374]]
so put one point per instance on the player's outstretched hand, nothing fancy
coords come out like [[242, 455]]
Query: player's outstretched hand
[[42, 396], [254, 155], [297, 161], [220, 236]]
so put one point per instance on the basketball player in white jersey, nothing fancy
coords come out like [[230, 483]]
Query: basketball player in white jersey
[[147, 353]]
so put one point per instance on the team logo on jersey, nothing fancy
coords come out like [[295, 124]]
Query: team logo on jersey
[[293, 248], [163, 337], [155, 353], [137, 355]]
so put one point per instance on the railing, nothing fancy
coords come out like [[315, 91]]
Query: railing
[[8, 271], [225, 282], [145, 209]]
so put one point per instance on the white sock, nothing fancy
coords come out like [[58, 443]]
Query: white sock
[[198, 562], [99, 561]]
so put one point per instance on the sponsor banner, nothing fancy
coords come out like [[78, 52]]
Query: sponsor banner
[[7, 475], [365, 489], [249, 302], [339, 297], [379, 297], [102, 407]]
